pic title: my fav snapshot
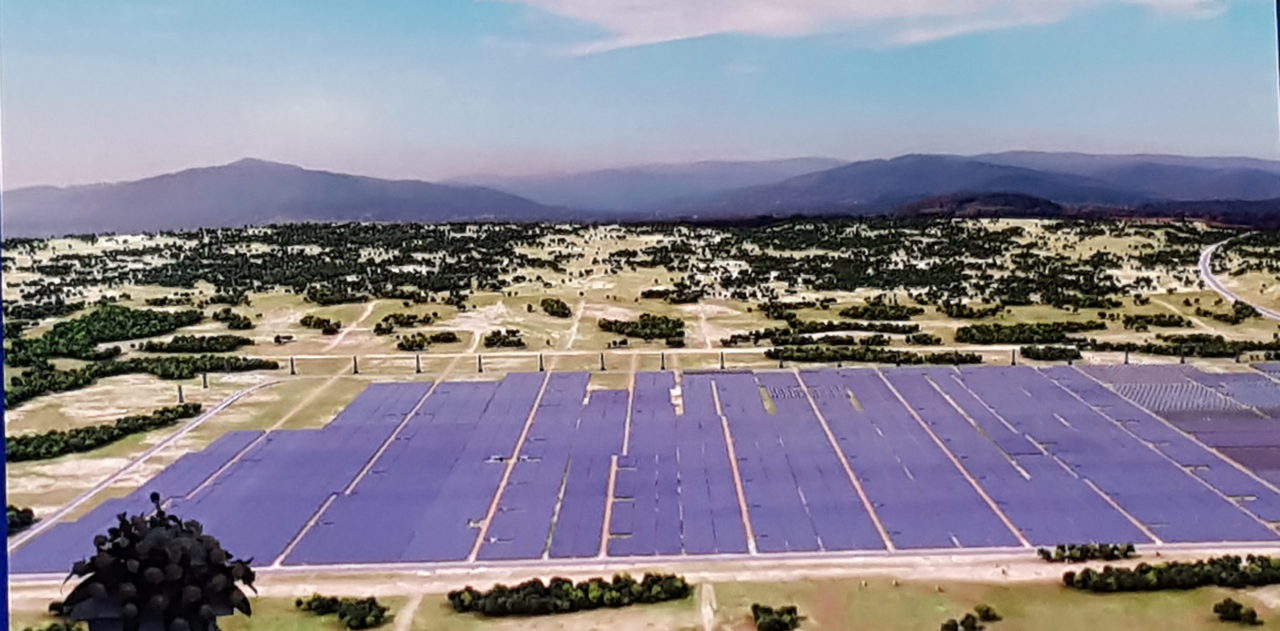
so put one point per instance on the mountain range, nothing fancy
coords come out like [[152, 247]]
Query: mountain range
[[254, 191]]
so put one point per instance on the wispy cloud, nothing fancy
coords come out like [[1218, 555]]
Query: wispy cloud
[[640, 22]]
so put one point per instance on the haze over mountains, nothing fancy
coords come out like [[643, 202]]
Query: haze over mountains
[[255, 191]]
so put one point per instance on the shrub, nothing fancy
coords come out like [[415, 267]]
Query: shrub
[[648, 327], [556, 307], [233, 320], [1079, 552], [325, 325], [1229, 610], [1051, 353], [1024, 333], [560, 595], [771, 619], [19, 519], [1225, 571], [924, 339], [353, 613], [509, 338], [880, 311], [986, 613], [197, 344]]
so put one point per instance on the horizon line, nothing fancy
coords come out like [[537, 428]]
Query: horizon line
[[460, 180]]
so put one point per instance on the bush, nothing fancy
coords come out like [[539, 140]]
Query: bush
[[924, 339], [19, 519], [1024, 333], [829, 354], [1080, 552], [44, 378], [770, 619], [1051, 353], [1143, 322], [233, 320], [560, 595], [986, 613], [648, 327], [55, 443], [325, 325], [556, 307], [880, 311], [509, 338], [1229, 610], [197, 344], [1225, 571], [353, 613]]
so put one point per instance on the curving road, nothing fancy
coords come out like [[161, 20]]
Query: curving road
[[1206, 273]]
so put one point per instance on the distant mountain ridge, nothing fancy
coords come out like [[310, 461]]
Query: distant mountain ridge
[[253, 191], [649, 186], [256, 191]]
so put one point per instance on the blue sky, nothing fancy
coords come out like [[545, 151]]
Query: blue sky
[[97, 90]]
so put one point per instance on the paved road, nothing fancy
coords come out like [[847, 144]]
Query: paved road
[[1206, 273]]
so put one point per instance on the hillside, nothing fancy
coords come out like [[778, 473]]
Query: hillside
[[253, 192]]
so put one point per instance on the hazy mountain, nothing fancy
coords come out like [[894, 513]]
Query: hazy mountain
[[878, 185], [256, 192], [1090, 164], [252, 192], [1161, 176], [648, 187]]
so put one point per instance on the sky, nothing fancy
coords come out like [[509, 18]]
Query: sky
[[98, 90]]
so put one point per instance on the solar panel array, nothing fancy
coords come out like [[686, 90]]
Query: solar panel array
[[1236, 413], [541, 466]]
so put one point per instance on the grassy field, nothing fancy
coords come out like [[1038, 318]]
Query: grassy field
[[827, 605], [879, 606], [269, 614]]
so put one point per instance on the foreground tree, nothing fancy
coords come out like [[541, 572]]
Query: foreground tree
[[157, 573]]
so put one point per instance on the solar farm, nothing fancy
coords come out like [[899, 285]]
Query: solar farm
[[540, 467]]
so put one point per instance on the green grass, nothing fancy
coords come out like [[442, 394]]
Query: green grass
[[434, 614], [845, 604]]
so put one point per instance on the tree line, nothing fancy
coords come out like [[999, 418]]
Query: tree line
[[648, 327], [1080, 552], [1024, 332], [560, 595], [196, 344], [871, 354], [1191, 345], [1050, 353], [1144, 322], [1224, 571], [420, 341], [55, 442], [45, 378], [880, 311]]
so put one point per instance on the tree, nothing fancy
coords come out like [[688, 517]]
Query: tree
[[159, 572]]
